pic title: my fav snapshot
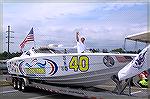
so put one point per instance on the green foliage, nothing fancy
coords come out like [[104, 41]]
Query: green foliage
[[120, 50], [94, 50], [5, 55]]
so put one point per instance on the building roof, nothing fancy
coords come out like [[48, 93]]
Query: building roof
[[141, 37]]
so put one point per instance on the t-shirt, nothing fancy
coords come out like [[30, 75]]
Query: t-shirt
[[80, 47]]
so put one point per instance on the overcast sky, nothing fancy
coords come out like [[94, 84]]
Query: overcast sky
[[104, 25]]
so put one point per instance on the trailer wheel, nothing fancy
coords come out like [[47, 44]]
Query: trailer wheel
[[19, 85], [15, 83], [23, 86]]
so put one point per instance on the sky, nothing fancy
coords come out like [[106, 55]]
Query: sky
[[104, 25]]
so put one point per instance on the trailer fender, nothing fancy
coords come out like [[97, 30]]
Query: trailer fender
[[26, 81]]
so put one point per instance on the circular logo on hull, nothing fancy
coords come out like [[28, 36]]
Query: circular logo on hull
[[108, 61]]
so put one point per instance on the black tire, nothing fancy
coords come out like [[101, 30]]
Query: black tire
[[20, 85], [23, 86], [15, 83]]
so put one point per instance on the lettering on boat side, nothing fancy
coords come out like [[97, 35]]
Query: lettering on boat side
[[64, 67]]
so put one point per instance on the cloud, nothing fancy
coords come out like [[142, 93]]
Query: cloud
[[118, 6], [58, 22]]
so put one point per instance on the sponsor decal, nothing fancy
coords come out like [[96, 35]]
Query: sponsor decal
[[13, 67], [36, 67], [138, 63], [108, 61], [41, 65], [64, 67], [53, 66]]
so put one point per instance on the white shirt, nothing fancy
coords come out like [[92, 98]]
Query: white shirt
[[80, 47]]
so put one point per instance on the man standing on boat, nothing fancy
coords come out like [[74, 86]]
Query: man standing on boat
[[80, 43]]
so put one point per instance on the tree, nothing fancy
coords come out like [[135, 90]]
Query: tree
[[120, 50], [5, 55]]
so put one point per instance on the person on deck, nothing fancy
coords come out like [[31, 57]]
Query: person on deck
[[143, 82], [80, 43]]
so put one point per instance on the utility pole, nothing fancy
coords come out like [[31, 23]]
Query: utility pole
[[8, 38]]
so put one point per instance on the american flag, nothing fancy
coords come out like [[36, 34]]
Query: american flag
[[29, 37]]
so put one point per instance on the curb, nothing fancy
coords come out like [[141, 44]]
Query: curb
[[5, 83]]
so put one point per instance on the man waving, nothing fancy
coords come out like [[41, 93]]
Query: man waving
[[80, 43]]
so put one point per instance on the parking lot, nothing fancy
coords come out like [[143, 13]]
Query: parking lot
[[7, 92]]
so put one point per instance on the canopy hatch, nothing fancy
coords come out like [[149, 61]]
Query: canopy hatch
[[141, 37]]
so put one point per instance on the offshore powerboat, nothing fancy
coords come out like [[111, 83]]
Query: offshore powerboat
[[59, 66]]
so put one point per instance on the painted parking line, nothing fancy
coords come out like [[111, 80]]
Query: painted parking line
[[4, 92], [104, 86], [136, 92], [39, 97]]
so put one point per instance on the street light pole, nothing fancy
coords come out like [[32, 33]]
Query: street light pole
[[8, 38]]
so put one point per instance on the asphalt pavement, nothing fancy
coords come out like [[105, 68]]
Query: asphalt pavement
[[7, 92]]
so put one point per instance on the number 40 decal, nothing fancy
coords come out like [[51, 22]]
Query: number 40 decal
[[81, 63]]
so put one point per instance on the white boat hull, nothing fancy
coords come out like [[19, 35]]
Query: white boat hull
[[86, 69]]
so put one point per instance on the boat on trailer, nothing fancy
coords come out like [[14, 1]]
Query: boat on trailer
[[57, 66]]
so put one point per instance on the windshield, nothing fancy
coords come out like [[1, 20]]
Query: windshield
[[47, 50]]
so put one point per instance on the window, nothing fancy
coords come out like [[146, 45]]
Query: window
[[42, 50], [56, 51], [47, 50]]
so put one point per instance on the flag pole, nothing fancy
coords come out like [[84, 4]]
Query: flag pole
[[34, 40], [34, 44]]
